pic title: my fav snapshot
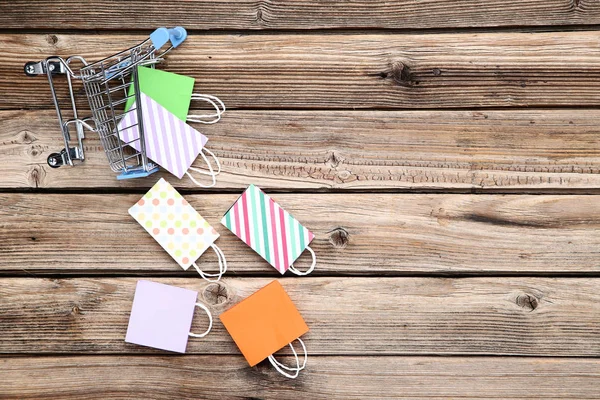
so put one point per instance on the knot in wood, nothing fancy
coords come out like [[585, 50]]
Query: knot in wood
[[215, 293], [261, 11], [35, 176], [52, 39], [339, 238], [259, 19], [344, 175], [26, 137], [333, 160], [35, 150], [527, 301], [401, 74]]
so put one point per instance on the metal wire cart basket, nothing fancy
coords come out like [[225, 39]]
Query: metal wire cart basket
[[110, 84]]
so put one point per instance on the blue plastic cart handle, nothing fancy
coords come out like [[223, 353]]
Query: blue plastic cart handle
[[162, 35]]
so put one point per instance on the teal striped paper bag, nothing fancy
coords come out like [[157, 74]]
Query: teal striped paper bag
[[269, 230]]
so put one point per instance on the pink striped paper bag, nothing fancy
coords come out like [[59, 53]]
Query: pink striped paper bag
[[170, 142], [267, 228]]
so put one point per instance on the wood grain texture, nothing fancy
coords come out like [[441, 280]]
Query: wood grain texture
[[296, 14], [314, 112], [346, 316], [346, 71], [361, 234], [541, 150], [228, 377]]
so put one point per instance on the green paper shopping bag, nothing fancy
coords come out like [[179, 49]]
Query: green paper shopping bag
[[170, 96], [172, 91]]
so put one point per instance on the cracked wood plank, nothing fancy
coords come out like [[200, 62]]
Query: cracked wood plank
[[346, 316], [296, 14], [539, 150], [364, 234], [331, 377], [351, 71]]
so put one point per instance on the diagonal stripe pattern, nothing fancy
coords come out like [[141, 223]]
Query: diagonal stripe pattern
[[267, 228], [170, 142]]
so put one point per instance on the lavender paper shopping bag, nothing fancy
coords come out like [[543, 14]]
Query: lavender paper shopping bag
[[161, 316]]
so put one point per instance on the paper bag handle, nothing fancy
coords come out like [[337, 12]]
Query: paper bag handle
[[222, 266], [210, 321], [295, 370], [312, 266], [210, 172], [214, 101]]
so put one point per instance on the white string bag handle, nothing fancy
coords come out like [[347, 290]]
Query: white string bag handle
[[295, 370], [222, 266], [210, 322], [215, 117], [214, 101], [210, 172], [309, 270]]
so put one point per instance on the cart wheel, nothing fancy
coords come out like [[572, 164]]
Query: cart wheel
[[31, 68], [55, 160]]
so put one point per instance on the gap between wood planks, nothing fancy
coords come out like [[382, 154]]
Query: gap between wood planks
[[399, 191], [289, 357], [332, 31], [67, 274]]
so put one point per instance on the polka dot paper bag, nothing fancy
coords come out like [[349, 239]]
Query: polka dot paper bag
[[177, 226]]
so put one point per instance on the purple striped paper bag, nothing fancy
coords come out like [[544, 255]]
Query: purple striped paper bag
[[267, 228], [170, 142]]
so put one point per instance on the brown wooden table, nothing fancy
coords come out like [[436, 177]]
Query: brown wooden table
[[446, 154]]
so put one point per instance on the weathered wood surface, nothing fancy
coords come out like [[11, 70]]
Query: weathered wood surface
[[348, 71], [296, 14], [360, 234], [358, 111], [164, 377], [541, 150], [346, 316]]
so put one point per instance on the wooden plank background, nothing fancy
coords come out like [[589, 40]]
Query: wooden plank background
[[445, 154], [526, 151], [297, 14], [349, 71], [402, 316], [364, 234], [164, 377]]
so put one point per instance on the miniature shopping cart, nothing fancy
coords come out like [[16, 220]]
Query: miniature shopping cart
[[110, 85]]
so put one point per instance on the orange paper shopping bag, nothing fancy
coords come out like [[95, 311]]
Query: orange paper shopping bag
[[264, 323]]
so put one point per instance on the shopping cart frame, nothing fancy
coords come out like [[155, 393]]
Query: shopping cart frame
[[109, 84]]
